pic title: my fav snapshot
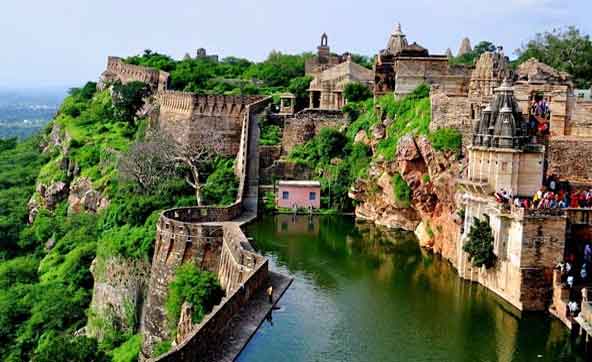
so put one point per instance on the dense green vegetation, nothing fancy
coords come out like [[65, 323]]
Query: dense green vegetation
[[231, 76], [409, 115], [200, 289], [337, 161], [357, 92], [479, 245], [45, 291], [446, 139]]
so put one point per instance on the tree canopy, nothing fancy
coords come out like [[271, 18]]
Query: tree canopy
[[567, 50]]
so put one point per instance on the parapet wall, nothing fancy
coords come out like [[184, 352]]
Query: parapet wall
[[117, 69], [211, 239], [207, 334]]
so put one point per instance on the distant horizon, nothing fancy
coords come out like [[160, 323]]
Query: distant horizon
[[66, 42]]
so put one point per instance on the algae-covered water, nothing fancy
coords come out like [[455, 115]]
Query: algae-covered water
[[362, 293]]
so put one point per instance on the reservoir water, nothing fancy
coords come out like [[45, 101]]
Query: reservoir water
[[363, 293]]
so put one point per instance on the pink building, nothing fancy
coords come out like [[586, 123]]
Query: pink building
[[302, 194]]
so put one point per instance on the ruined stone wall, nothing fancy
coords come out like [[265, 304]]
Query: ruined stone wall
[[268, 155], [571, 158], [117, 69], [303, 126], [119, 292], [579, 123], [450, 111], [410, 72]]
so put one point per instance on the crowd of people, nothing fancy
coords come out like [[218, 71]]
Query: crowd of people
[[554, 195]]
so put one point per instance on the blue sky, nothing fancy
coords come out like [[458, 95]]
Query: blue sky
[[66, 42]]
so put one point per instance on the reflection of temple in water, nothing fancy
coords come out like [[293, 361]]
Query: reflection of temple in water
[[297, 224]]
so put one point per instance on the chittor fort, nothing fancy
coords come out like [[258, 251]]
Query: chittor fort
[[404, 206]]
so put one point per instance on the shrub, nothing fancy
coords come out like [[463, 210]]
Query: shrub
[[479, 245], [446, 139], [402, 190], [356, 92], [129, 350], [199, 288], [221, 186], [161, 348]]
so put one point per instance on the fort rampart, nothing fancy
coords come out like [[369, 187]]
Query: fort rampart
[[189, 117], [117, 69], [211, 238]]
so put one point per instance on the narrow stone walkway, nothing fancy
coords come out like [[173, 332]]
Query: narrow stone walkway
[[244, 325]]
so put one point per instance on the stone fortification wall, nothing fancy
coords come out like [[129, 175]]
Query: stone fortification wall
[[177, 242], [238, 259], [304, 125], [207, 334], [528, 244], [188, 117], [542, 249], [207, 237], [117, 69]]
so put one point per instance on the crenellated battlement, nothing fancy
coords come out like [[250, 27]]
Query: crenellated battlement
[[185, 102], [117, 69]]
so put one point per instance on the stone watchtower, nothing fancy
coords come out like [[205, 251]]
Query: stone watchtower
[[527, 243]]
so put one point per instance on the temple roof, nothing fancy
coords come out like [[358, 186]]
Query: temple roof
[[465, 47], [535, 71], [501, 124], [397, 41]]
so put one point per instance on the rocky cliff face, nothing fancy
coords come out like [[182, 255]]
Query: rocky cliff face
[[119, 292], [431, 176], [77, 190]]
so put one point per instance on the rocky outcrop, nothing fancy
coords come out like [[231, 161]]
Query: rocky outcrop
[[83, 197], [431, 176], [118, 295]]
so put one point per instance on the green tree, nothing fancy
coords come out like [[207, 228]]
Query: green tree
[[128, 99], [199, 288], [299, 87], [55, 347], [356, 92], [277, 70], [479, 245], [567, 50]]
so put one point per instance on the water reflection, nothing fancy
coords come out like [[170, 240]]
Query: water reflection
[[364, 293]]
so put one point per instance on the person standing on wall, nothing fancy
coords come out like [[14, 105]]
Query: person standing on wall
[[270, 294]]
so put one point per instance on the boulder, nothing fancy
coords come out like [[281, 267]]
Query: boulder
[[362, 137]]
